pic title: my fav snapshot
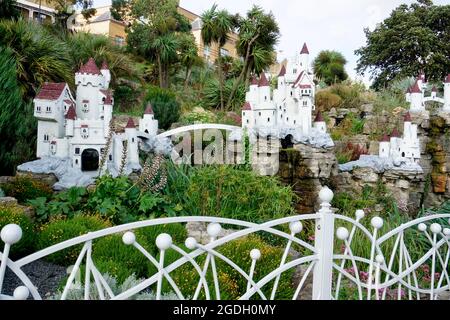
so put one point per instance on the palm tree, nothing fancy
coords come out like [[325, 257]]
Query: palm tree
[[258, 35], [215, 29], [329, 66], [189, 56], [39, 55]]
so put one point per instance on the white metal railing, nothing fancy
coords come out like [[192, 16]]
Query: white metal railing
[[387, 269]]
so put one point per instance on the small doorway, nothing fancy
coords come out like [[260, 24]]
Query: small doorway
[[89, 160]]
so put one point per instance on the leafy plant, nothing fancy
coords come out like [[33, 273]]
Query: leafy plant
[[165, 106], [24, 187], [14, 214]]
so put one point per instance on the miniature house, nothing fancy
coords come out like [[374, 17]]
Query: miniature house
[[406, 148], [415, 95], [288, 106], [79, 128]]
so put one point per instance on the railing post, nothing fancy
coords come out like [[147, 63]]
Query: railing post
[[324, 239]]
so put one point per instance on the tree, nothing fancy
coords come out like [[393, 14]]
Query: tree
[[258, 35], [329, 66], [8, 9], [189, 56], [154, 31], [412, 39], [215, 29]]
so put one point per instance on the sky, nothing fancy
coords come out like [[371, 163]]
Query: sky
[[322, 24]]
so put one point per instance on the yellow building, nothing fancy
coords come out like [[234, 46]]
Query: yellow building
[[104, 23]]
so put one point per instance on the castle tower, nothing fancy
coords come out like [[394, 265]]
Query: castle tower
[[282, 79], [417, 98], [252, 94], [263, 89], [319, 123], [384, 148], [148, 124], [247, 116], [89, 80], [408, 131], [131, 136], [304, 58], [71, 116], [107, 111], [434, 92], [447, 93], [106, 74]]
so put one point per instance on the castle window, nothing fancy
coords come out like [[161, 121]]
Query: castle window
[[38, 109], [273, 112], [268, 119], [132, 140], [260, 114], [265, 98], [48, 109], [294, 71], [280, 107], [287, 119], [77, 150], [247, 120], [46, 137], [291, 93], [85, 106], [110, 157], [243, 113], [76, 161], [85, 132], [295, 121]]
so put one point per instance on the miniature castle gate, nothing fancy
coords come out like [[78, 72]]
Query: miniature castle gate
[[387, 271]]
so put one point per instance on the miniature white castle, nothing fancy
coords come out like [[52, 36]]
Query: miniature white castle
[[290, 105], [79, 129], [405, 149], [415, 95]]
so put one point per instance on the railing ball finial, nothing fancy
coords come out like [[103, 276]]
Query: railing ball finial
[[163, 241], [342, 233], [359, 214], [255, 254], [376, 222], [326, 195], [379, 259], [296, 227], [436, 228], [11, 233], [190, 243], [129, 238], [422, 227], [21, 293], [214, 229]]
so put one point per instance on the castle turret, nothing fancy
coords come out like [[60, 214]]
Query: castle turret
[[384, 148], [252, 94], [89, 80], [247, 116], [131, 134], [447, 93], [148, 124], [417, 98], [106, 74], [408, 130], [71, 116], [264, 89], [282, 79], [304, 58], [319, 122]]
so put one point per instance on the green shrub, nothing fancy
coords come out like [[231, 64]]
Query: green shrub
[[350, 93], [228, 192], [14, 214], [165, 106], [232, 284], [60, 230], [25, 188], [211, 98], [326, 100]]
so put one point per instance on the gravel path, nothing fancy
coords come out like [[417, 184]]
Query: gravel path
[[44, 275]]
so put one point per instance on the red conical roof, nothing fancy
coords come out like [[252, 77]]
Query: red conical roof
[[395, 133], [149, 109], [408, 90], [263, 82], [447, 80], [282, 71], [304, 49], [71, 113], [319, 117], [90, 67], [130, 124], [104, 65], [385, 138], [253, 81], [407, 117], [415, 88], [247, 106]]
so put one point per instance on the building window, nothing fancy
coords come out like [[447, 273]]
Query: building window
[[287, 119], [243, 113], [48, 109], [260, 114], [132, 140], [295, 121], [38, 109], [77, 150], [247, 120], [110, 157], [46, 138], [294, 71], [268, 119], [85, 107], [119, 41], [76, 161], [85, 133]]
